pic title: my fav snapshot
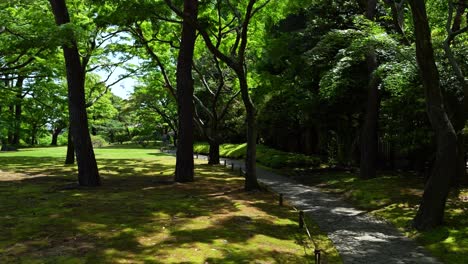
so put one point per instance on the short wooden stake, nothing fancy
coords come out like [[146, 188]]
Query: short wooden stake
[[240, 171], [224, 163], [232, 166], [317, 256], [280, 199], [301, 219]]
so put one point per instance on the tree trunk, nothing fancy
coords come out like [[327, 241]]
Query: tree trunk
[[461, 110], [18, 111], [88, 174], [431, 210], [213, 156], [184, 162], [33, 135], [55, 135], [70, 159], [369, 131], [460, 174], [251, 182], [11, 128]]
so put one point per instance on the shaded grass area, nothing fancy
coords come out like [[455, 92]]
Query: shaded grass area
[[266, 156], [139, 215], [395, 197]]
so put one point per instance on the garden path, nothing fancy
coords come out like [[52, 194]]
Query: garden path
[[359, 236]]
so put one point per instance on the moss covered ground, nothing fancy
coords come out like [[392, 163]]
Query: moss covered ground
[[266, 156], [140, 215]]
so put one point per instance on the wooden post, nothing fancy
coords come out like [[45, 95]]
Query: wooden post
[[280, 199], [224, 163], [301, 219], [240, 171], [317, 256], [232, 166]]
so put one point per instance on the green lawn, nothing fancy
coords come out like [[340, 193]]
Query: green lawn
[[139, 215], [395, 197]]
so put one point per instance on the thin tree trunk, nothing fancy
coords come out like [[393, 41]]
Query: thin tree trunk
[[18, 110], [184, 163], [33, 135], [213, 156], [88, 174], [251, 182], [460, 175], [70, 159], [431, 211], [369, 137], [11, 127]]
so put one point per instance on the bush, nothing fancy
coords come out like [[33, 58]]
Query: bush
[[98, 141], [266, 156], [143, 140]]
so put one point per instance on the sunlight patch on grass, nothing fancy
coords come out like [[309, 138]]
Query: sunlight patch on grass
[[139, 215]]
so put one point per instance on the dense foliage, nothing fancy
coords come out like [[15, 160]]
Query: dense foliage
[[294, 75]]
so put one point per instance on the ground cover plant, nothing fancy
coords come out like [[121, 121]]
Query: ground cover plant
[[140, 215], [395, 197]]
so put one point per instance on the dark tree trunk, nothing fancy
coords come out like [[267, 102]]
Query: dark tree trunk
[[460, 175], [184, 162], [369, 138], [55, 135], [175, 139], [33, 135], [460, 115], [88, 174], [70, 159], [251, 182], [431, 210], [18, 110], [11, 127], [213, 156]]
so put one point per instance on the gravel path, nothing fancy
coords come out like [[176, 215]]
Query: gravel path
[[359, 237]]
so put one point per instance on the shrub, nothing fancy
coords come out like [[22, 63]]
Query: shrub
[[98, 141], [265, 155], [143, 140]]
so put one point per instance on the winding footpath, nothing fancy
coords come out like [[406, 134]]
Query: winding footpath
[[359, 237]]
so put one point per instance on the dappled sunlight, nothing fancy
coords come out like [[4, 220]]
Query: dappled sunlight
[[139, 215]]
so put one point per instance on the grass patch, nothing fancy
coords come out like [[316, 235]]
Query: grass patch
[[139, 215], [395, 197], [266, 156]]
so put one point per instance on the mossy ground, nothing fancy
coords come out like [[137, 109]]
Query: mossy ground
[[395, 197], [266, 156], [139, 215]]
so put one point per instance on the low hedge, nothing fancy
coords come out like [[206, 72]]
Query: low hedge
[[265, 155]]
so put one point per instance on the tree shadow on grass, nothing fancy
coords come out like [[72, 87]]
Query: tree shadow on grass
[[138, 215]]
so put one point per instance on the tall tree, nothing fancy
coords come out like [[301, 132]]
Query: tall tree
[[184, 162], [454, 28], [369, 131], [431, 210], [215, 98], [88, 174], [235, 58]]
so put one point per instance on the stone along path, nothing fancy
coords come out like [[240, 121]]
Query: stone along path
[[359, 237]]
